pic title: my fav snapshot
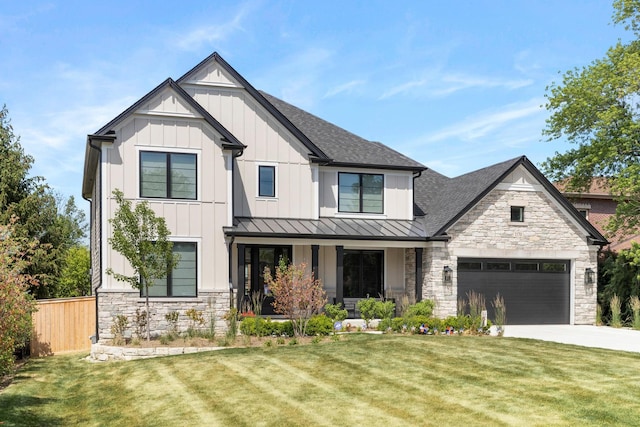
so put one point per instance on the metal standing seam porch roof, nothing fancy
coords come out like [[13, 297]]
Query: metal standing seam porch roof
[[329, 228]]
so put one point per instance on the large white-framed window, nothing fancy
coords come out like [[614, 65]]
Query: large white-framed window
[[360, 192], [267, 175], [168, 175], [182, 281]]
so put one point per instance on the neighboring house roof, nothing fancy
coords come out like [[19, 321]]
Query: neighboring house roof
[[599, 195], [598, 189], [342, 146], [445, 200], [328, 228]]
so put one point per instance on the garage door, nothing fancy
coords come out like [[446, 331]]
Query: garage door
[[534, 291]]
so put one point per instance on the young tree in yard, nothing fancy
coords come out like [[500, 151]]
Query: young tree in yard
[[597, 107], [16, 304], [142, 238], [297, 295]]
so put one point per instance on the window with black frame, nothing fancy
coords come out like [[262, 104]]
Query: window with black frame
[[168, 175], [182, 280], [360, 193], [266, 181], [363, 273]]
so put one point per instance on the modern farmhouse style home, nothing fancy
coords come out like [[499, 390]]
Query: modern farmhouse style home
[[244, 179]]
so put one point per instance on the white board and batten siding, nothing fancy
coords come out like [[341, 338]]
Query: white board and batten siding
[[268, 143], [398, 193], [166, 124]]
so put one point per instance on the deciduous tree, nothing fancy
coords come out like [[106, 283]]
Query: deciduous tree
[[597, 108], [42, 214], [297, 295], [74, 276], [16, 303], [142, 238]]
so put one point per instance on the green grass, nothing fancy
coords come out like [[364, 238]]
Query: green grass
[[361, 380]]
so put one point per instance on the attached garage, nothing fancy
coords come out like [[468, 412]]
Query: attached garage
[[534, 291]]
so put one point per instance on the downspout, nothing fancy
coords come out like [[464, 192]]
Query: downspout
[[230, 251], [99, 195], [236, 153], [413, 193]]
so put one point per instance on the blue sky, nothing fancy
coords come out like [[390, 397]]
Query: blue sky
[[456, 85]]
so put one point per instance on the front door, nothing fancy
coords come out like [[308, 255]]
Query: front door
[[258, 297]]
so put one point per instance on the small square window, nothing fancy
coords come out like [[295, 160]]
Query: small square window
[[584, 213], [517, 214], [266, 181]]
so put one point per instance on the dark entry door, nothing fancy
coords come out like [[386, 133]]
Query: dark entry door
[[257, 258], [534, 291]]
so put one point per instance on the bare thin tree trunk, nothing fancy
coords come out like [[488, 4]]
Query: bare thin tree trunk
[[148, 314]]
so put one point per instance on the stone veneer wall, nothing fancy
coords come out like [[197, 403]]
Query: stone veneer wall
[[487, 231], [409, 271], [112, 303]]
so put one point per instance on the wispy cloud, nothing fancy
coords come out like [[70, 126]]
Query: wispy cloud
[[212, 33], [404, 87], [304, 70], [484, 124], [441, 84], [346, 87]]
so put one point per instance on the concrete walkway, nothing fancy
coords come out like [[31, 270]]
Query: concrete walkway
[[583, 335]]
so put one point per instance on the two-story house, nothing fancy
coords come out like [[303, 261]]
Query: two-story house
[[244, 179], [598, 205]]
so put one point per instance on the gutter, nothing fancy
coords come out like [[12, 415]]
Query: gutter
[[96, 337]]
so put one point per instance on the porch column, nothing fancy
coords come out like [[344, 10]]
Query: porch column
[[418, 274], [339, 275], [241, 277], [314, 260]]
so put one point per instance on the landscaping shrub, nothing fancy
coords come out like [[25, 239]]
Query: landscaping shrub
[[297, 295], [261, 327], [385, 310], [319, 325], [616, 319], [335, 312], [422, 308], [634, 307], [367, 308]]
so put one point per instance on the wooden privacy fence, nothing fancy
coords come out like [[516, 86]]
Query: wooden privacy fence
[[63, 325]]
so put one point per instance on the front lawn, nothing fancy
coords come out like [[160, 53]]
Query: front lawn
[[385, 380]]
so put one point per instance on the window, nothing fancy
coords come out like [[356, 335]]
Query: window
[[526, 266], [554, 267], [584, 213], [182, 280], [498, 266], [360, 193], [167, 175], [517, 214], [469, 266], [363, 273], [267, 181]]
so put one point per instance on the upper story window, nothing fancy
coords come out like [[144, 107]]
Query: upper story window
[[517, 213], [360, 192], [266, 181], [168, 175]]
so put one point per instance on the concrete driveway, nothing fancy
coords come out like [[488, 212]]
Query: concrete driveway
[[584, 335]]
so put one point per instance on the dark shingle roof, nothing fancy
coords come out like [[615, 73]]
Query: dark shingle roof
[[343, 147], [444, 200]]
